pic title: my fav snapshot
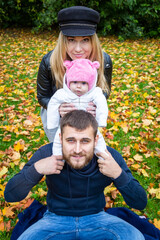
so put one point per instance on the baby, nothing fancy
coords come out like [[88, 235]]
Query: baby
[[79, 88]]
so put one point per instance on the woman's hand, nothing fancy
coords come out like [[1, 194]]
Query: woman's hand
[[65, 108], [91, 108]]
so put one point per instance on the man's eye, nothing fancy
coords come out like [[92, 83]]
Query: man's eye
[[70, 140], [85, 141]]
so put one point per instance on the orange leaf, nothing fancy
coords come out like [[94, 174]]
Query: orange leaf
[[126, 151], [28, 202], [124, 126], [130, 162], [2, 187], [109, 202], [136, 146], [135, 166], [156, 223], [7, 138], [151, 185], [7, 211], [158, 176], [114, 194], [2, 226], [113, 116]]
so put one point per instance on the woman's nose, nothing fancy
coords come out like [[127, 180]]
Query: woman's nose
[[78, 47]]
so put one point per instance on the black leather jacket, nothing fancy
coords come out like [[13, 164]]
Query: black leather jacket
[[46, 83]]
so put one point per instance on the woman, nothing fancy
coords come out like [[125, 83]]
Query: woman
[[77, 39]]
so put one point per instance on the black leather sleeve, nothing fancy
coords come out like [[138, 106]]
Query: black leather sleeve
[[107, 69], [45, 83]]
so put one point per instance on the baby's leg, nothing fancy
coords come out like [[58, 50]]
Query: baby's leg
[[57, 147], [101, 145]]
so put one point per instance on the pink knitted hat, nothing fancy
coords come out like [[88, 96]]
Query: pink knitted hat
[[81, 70]]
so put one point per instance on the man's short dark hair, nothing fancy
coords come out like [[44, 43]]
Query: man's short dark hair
[[79, 120]]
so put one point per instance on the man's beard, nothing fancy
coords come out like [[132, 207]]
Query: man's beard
[[88, 158]]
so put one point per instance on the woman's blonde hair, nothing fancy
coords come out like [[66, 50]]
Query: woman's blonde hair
[[60, 54]]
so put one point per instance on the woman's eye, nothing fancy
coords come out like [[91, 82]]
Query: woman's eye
[[86, 40], [70, 39]]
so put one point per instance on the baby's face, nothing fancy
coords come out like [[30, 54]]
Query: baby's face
[[79, 88]]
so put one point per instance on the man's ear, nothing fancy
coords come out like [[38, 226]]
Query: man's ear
[[60, 137], [96, 139]]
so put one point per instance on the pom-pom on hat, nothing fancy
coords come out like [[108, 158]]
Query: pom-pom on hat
[[78, 21], [81, 70]]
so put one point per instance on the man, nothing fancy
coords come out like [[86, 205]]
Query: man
[[75, 198]]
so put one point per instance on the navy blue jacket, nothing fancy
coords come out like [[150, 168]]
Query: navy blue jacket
[[76, 192]]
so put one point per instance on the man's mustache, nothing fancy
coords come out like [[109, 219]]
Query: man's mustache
[[77, 154]]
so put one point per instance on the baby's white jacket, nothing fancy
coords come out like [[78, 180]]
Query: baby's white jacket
[[64, 94]]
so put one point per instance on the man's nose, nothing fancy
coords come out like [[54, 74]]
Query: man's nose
[[77, 147]]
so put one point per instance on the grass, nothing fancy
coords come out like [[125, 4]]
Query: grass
[[132, 126]]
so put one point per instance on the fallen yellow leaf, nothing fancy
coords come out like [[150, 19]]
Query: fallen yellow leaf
[[138, 158], [3, 171], [135, 166], [7, 211], [155, 192], [109, 189], [144, 173], [18, 147], [1, 89]]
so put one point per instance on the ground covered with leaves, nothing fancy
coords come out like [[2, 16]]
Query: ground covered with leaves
[[133, 123]]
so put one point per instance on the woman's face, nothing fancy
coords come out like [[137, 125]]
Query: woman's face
[[79, 47]]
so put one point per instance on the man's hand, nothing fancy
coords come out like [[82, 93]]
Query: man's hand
[[49, 165], [108, 166]]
